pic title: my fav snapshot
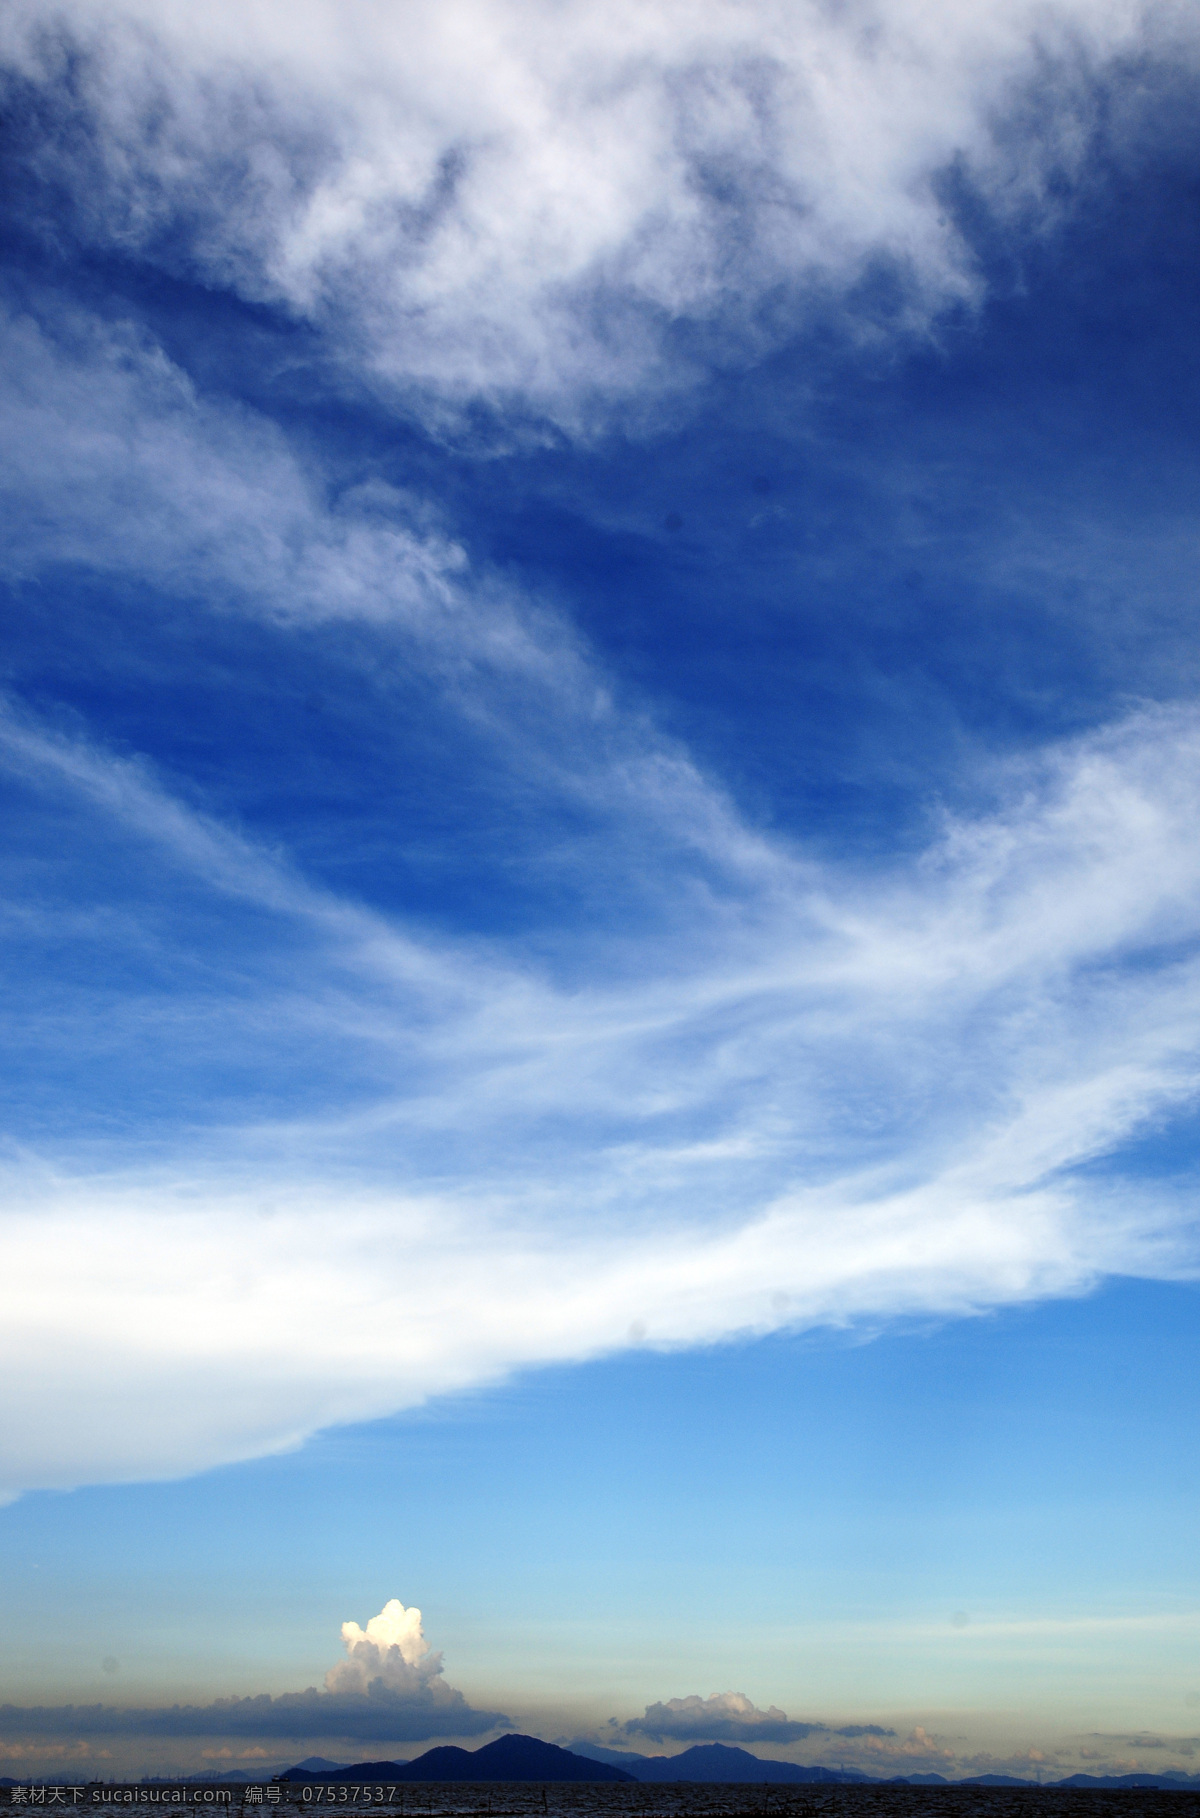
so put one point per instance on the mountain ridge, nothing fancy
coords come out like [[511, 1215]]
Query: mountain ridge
[[510, 1757], [718, 1764]]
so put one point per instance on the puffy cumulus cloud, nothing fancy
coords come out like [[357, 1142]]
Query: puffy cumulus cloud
[[388, 1689], [924, 1746], [500, 198], [731, 1717], [875, 1751], [391, 1653]]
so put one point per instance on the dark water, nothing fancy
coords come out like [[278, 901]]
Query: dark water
[[589, 1800]]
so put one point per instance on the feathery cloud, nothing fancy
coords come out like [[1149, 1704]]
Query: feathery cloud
[[844, 1107], [774, 1090]]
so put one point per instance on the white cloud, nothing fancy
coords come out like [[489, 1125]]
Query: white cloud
[[110, 461], [391, 1651], [731, 1717], [813, 1096], [833, 1104], [389, 1689], [522, 199], [111, 465]]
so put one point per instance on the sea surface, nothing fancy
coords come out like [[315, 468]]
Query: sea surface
[[524, 1799]]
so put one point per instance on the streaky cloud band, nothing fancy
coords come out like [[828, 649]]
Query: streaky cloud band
[[293, 1716], [594, 1215]]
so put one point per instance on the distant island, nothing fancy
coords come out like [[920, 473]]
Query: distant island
[[515, 1757], [715, 1763], [527, 1758], [512, 1757]]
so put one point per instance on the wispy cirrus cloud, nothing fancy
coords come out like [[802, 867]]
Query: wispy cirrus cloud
[[329, 1155], [836, 1109], [111, 461]]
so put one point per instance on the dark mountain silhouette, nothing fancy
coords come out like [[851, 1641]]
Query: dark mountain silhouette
[[716, 1763], [544, 1761], [1175, 1781], [1172, 1781], [231, 1776], [356, 1770], [512, 1757]]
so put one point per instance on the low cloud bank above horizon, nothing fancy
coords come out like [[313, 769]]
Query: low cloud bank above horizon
[[388, 1689], [732, 1717]]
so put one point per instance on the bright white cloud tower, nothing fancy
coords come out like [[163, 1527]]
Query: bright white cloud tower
[[391, 1650]]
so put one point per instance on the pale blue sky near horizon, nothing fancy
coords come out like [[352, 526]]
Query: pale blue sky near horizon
[[763, 1514]]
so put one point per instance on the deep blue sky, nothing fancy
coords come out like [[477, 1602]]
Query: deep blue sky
[[599, 762]]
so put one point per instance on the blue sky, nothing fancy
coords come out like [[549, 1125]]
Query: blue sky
[[600, 757]]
